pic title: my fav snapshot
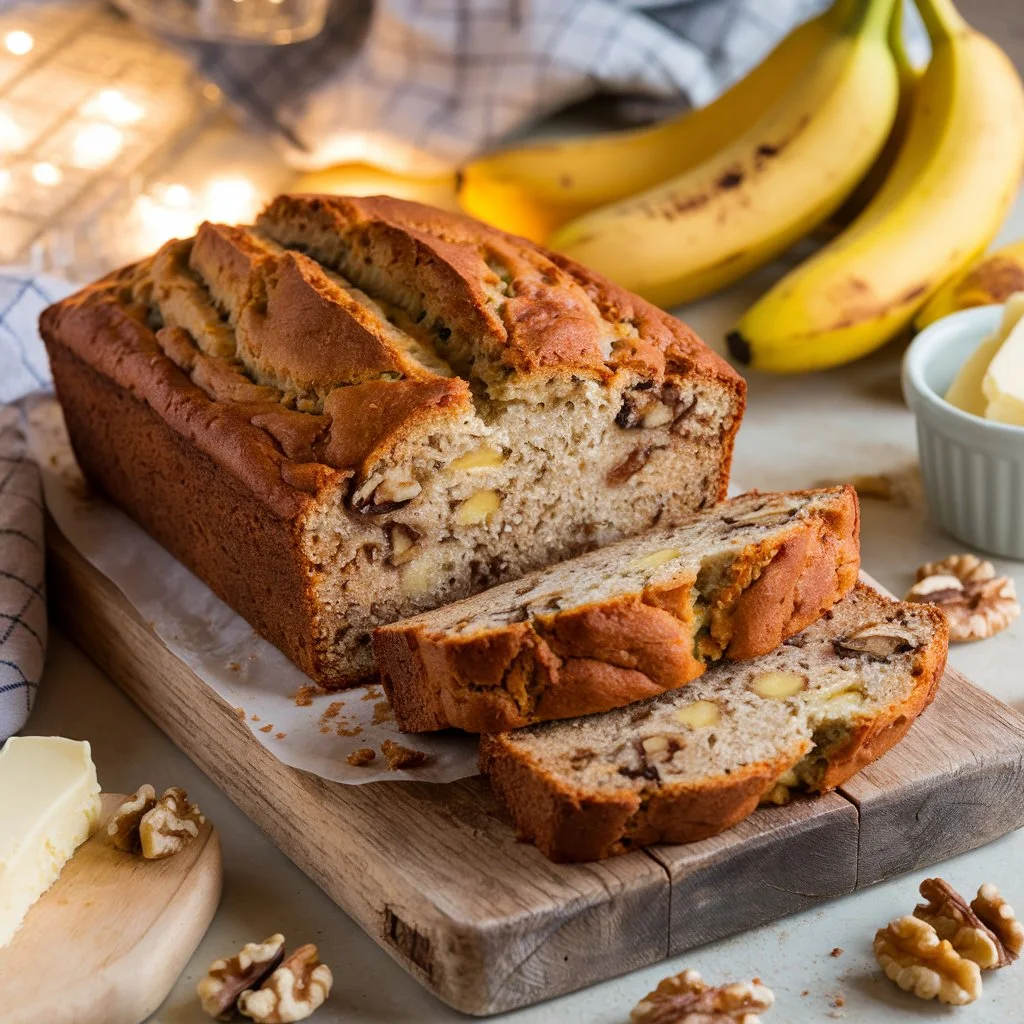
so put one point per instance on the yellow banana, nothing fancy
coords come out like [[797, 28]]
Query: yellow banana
[[367, 180], [751, 200], [942, 204], [992, 280], [909, 75], [534, 188]]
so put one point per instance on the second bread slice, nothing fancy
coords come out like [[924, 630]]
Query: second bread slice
[[628, 621]]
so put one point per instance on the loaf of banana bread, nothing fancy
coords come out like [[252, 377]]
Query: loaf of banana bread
[[628, 621], [690, 763], [360, 409]]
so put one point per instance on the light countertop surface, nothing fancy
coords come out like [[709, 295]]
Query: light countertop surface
[[797, 431]]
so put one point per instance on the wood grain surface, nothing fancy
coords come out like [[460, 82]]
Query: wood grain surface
[[105, 944], [434, 874]]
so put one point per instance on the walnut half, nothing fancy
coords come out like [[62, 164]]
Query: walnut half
[[913, 956], [293, 992], [952, 918], [123, 827], [976, 602], [155, 828], [686, 998], [227, 979], [170, 825]]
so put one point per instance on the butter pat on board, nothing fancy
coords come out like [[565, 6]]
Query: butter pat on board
[[49, 805]]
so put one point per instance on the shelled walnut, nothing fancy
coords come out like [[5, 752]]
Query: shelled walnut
[[155, 828], [227, 979], [170, 825], [977, 603], [260, 982], [913, 956], [123, 827], [998, 917], [292, 993], [954, 919], [686, 998]]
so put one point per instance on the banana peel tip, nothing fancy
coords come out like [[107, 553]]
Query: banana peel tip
[[739, 348]]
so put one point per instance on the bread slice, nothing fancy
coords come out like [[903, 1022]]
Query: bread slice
[[627, 621], [688, 764]]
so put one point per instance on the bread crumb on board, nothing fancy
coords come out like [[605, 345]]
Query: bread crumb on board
[[382, 712], [399, 756], [269, 727], [332, 710], [372, 693], [837, 952], [304, 697], [280, 735], [240, 714], [361, 757]]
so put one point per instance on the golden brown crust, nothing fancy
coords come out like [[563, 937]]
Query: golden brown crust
[[595, 657], [570, 825]]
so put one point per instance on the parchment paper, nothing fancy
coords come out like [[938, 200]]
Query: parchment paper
[[302, 728]]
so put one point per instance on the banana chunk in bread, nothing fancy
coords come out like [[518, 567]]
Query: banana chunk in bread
[[690, 763], [358, 409], [627, 621]]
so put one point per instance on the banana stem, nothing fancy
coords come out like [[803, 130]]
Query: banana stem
[[897, 44], [941, 19], [864, 17]]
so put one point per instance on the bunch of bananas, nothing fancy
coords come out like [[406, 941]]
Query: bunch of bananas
[[912, 171]]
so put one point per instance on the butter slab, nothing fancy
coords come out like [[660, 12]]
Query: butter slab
[[49, 805]]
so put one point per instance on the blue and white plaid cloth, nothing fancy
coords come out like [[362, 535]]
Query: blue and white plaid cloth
[[405, 82], [22, 576]]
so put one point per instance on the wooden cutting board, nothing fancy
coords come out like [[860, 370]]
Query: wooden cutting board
[[105, 944], [435, 875]]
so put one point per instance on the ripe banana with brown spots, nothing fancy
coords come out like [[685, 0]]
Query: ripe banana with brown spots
[[533, 188], [944, 200], [990, 281], [770, 186]]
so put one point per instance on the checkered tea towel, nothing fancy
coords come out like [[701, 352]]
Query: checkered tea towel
[[407, 83], [22, 581]]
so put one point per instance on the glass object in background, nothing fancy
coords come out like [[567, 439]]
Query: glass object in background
[[231, 21]]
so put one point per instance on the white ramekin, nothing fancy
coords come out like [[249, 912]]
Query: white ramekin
[[973, 469]]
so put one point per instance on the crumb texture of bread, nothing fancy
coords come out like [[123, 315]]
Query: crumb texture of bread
[[627, 621], [687, 764], [392, 406]]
